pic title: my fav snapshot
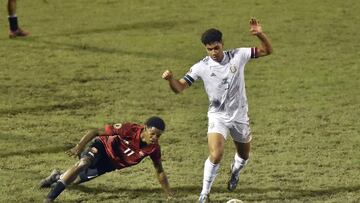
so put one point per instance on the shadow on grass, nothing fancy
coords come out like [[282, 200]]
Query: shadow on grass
[[257, 194], [160, 25], [40, 150], [73, 105], [94, 49]]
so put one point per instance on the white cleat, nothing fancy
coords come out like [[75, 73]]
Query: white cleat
[[204, 198]]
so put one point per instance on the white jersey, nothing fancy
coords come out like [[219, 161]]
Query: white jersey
[[224, 84]]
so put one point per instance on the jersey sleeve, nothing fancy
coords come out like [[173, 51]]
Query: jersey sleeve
[[192, 75], [245, 54], [156, 155]]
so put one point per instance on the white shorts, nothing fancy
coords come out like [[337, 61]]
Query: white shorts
[[240, 132]]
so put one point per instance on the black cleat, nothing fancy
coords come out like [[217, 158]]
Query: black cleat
[[234, 179], [52, 178]]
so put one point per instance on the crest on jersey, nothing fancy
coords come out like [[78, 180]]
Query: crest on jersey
[[233, 68], [141, 153], [212, 75], [117, 125]]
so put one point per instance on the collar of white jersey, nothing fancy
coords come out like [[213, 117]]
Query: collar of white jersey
[[223, 61]]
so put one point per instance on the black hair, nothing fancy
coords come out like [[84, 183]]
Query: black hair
[[210, 36], [156, 122]]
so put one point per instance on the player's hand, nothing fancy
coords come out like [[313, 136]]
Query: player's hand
[[255, 27], [167, 75], [75, 151]]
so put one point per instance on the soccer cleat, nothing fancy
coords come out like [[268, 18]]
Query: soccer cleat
[[234, 178], [52, 178], [204, 198], [18, 33]]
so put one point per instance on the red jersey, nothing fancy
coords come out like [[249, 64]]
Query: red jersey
[[122, 145]]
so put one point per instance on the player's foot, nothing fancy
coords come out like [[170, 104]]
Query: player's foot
[[234, 178], [52, 178], [18, 33], [204, 198]]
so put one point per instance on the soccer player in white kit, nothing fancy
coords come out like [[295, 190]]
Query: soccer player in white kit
[[222, 73]]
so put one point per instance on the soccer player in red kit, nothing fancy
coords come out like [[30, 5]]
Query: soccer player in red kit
[[115, 147]]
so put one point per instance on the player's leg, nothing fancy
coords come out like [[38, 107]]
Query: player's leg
[[11, 7], [242, 136], [70, 175], [83, 176], [216, 142], [15, 30], [86, 175], [102, 164], [217, 132], [241, 156], [52, 178]]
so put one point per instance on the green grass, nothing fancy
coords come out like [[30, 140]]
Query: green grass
[[91, 62]]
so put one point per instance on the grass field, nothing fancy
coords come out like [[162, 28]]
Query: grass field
[[87, 63]]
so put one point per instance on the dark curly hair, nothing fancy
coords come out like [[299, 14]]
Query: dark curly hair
[[156, 122], [210, 36]]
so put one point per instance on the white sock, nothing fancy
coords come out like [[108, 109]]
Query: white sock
[[210, 172], [239, 163]]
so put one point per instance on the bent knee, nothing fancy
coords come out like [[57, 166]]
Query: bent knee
[[82, 164], [93, 150], [216, 156]]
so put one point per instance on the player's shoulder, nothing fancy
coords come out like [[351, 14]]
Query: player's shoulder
[[132, 126], [202, 63], [235, 51], [205, 61], [232, 52], [198, 66], [155, 149], [157, 146], [126, 126], [239, 52]]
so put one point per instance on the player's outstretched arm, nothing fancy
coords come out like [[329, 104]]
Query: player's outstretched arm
[[256, 29], [176, 86], [163, 180], [91, 134]]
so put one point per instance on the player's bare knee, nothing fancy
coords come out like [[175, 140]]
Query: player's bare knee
[[243, 150], [244, 156], [82, 164], [216, 156], [93, 150]]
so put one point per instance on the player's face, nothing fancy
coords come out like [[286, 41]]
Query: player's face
[[151, 135], [215, 51]]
